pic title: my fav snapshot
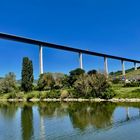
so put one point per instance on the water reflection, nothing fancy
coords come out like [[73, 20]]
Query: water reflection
[[81, 115], [8, 110], [98, 115], [27, 122], [50, 109]]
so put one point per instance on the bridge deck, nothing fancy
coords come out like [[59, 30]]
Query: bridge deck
[[61, 47]]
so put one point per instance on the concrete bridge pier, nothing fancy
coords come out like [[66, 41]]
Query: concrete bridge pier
[[106, 66], [41, 59], [81, 60], [135, 65], [123, 67]]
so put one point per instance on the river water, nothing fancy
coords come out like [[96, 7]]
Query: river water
[[69, 121]]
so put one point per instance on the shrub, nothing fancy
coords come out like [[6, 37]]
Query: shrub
[[64, 94], [65, 81], [53, 94], [45, 82], [50, 94], [8, 84], [99, 84], [132, 84], [93, 86], [136, 91], [43, 95], [20, 95], [29, 96], [116, 80], [82, 86], [32, 95], [58, 83], [9, 96], [108, 94]]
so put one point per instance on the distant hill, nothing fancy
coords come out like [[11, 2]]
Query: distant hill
[[130, 73], [19, 81], [55, 76]]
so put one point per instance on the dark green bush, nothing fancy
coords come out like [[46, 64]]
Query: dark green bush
[[51, 94], [116, 80], [92, 72], [132, 84], [74, 75], [107, 94], [10, 96]]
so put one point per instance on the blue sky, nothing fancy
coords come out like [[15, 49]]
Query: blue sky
[[111, 26]]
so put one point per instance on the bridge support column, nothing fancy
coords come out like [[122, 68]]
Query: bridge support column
[[105, 67], [81, 60], [135, 65], [41, 59], [123, 68]]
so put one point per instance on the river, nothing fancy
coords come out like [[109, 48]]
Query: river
[[69, 121]]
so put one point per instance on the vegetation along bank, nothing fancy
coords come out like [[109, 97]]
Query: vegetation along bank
[[78, 85]]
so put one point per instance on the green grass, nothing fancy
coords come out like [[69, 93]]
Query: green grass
[[32, 95], [126, 92]]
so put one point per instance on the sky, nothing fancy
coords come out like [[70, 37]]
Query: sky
[[105, 26]]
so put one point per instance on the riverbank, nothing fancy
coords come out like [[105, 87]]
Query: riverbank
[[122, 94], [72, 100]]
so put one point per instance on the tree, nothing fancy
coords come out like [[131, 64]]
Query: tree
[[65, 81], [100, 86], [8, 84], [92, 72], [93, 86], [74, 74], [46, 81], [27, 75], [82, 87], [58, 78]]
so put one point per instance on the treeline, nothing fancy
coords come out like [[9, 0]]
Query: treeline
[[77, 84]]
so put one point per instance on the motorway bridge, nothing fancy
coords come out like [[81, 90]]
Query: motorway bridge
[[42, 44]]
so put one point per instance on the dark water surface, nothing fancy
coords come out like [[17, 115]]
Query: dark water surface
[[62, 121]]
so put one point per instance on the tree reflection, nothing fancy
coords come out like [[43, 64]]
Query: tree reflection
[[8, 110], [52, 109], [82, 114], [98, 115], [27, 122]]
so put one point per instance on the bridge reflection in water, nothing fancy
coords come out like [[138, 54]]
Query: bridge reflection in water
[[37, 120]]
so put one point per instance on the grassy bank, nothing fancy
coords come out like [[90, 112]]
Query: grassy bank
[[121, 92], [126, 92]]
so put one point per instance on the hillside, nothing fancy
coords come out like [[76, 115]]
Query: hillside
[[130, 73]]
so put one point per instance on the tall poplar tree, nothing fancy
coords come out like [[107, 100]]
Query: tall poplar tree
[[27, 75]]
